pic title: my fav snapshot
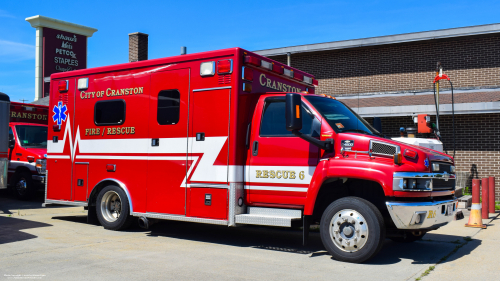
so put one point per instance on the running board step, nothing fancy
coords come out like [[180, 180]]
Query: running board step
[[269, 216]]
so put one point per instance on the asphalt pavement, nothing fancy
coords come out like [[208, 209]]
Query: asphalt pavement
[[57, 244]]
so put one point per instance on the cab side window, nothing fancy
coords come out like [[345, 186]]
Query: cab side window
[[11, 134], [273, 123], [168, 107]]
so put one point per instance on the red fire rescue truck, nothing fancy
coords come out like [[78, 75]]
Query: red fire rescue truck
[[4, 140], [27, 148], [229, 137]]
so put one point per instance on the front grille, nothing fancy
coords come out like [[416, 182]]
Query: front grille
[[443, 167], [438, 184], [383, 148]]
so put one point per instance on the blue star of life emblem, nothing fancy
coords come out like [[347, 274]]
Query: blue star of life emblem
[[426, 163], [59, 113]]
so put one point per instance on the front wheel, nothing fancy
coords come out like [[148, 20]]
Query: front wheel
[[352, 229], [113, 210], [23, 185]]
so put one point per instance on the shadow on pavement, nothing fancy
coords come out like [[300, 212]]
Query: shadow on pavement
[[10, 229], [9, 202], [290, 240]]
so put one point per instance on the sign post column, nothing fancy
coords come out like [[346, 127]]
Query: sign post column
[[60, 46]]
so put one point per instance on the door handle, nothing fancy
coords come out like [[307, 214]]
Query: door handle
[[200, 136], [155, 142], [255, 148]]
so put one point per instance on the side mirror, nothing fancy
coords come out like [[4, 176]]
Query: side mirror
[[12, 142], [293, 113]]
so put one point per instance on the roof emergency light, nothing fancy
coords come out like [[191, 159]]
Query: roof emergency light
[[277, 68], [288, 72], [308, 80], [267, 65], [207, 68], [83, 84], [252, 60], [224, 66], [298, 76], [63, 86]]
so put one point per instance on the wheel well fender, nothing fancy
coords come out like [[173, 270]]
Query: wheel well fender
[[326, 173], [102, 184], [20, 169]]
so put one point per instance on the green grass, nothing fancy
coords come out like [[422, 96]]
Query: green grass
[[497, 205], [431, 268], [466, 191]]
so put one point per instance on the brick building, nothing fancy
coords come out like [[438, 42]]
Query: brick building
[[390, 77]]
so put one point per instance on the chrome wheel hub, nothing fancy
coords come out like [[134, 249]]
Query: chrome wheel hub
[[111, 206], [21, 186], [348, 230]]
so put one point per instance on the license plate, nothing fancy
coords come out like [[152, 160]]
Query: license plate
[[449, 209]]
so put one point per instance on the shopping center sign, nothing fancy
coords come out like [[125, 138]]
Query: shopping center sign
[[60, 46]]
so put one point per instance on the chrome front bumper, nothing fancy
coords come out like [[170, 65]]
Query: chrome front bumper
[[39, 178], [422, 215]]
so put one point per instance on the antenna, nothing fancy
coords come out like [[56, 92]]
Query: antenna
[[23, 100]]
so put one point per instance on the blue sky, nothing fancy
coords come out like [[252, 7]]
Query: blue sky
[[211, 25]]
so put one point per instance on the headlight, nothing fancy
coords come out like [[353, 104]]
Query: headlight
[[452, 169], [435, 167], [41, 165], [415, 184]]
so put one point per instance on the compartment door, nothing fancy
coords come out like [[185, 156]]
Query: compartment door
[[208, 151], [167, 153], [60, 145], [80, 181]]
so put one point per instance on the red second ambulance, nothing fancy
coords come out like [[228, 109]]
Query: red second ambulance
[[27, 148], [229, 137]]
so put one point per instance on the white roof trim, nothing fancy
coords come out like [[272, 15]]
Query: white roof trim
[[41, 21], [383, 40], [444, 109]]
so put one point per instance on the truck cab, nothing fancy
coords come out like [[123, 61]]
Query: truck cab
[[358, 178], [27, 148]]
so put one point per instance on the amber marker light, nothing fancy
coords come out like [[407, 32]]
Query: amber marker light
[[297, 111]]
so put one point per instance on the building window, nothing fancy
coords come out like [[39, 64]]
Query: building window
[[109, 112], [273, 122], [168, 107]]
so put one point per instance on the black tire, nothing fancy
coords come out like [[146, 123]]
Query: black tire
[[408, 237], [370, 222], [112, 208], [23, 186]]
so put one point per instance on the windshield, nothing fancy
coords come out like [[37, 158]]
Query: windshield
[[340, 117], [32, 136]]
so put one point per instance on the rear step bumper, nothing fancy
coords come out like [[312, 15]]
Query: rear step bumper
[[269, 216]]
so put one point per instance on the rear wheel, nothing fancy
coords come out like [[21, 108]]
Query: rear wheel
[[23, 185], [113, 210], [352, 229]]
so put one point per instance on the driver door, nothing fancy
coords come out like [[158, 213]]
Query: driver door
[[281, 164]]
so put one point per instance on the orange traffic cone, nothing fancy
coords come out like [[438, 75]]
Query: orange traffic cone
[[475, 219]]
